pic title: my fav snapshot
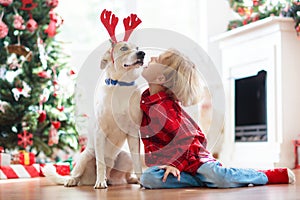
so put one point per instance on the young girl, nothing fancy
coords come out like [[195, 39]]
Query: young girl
[[175, 147]]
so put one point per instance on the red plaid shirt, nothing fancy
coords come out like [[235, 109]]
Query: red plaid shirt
[[170, 135]]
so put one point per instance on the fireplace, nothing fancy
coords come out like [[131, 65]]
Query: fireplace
[[251, 108], [260, 68]]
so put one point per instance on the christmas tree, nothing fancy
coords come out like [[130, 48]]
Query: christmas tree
[[36, 97]]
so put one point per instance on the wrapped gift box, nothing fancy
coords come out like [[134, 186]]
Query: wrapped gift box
[[5, 159], [26, 158], [19, 171]]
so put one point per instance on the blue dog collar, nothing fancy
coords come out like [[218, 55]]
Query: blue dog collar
[[109, 81]]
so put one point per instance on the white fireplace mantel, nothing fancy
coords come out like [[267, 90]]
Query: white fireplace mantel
[[272, 45]]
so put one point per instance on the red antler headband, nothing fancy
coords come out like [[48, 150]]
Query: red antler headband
[[106, 17], [135, 21], [110, 22]]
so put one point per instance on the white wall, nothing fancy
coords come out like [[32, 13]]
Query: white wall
[[215, 18], [82, 30]]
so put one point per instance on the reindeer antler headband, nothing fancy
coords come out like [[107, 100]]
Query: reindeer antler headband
[[110, 22]]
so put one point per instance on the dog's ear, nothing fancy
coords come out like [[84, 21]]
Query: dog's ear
[[106, 59], [103, 63]]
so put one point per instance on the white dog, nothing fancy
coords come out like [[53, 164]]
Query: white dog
[[119, 119]]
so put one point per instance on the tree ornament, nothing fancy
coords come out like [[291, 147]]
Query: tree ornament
[[52, 3], [20, 50], [45, 96], [21, 91], [13, 62], [42, 116], [53, 136], [3, 104], [19, 22], [44, 74], [11, 75], [25, 139], [3, 28], [72, 72], [55, 81], [56, 124], [6, 2], [51, 30], [31, 25], [60, 108], [55, 22], [42, 52], [28, 5], [255, 3]]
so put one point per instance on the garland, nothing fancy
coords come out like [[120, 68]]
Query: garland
[[251, 11]]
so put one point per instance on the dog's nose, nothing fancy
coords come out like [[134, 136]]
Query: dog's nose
[[140, 54]]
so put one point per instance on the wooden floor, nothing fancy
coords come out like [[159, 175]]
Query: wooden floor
[[42, 189]]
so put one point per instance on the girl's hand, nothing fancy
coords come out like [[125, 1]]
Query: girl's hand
[[170, 169]]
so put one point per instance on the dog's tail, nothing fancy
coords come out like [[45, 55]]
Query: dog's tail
[[50, 173]]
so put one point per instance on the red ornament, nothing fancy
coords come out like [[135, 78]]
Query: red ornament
[[60, 108], [255, 18], [19, 22], [241, 11], [6, 2], [25, 139], [55, 82], [52, 3], [44, 74], [42, 116], [3, 29], [28, 5], [51, 30], [31, 25], [72, 72], [56, 124], [255, 3]]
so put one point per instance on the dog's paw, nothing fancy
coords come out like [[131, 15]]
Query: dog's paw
[[71, 182], [100, 185]]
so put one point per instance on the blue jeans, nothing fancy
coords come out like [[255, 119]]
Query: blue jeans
[[210, 174]]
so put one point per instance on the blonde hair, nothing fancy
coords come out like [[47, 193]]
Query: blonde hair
[[183, 80]]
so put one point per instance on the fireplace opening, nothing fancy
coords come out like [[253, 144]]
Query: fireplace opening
[[251, 108]]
